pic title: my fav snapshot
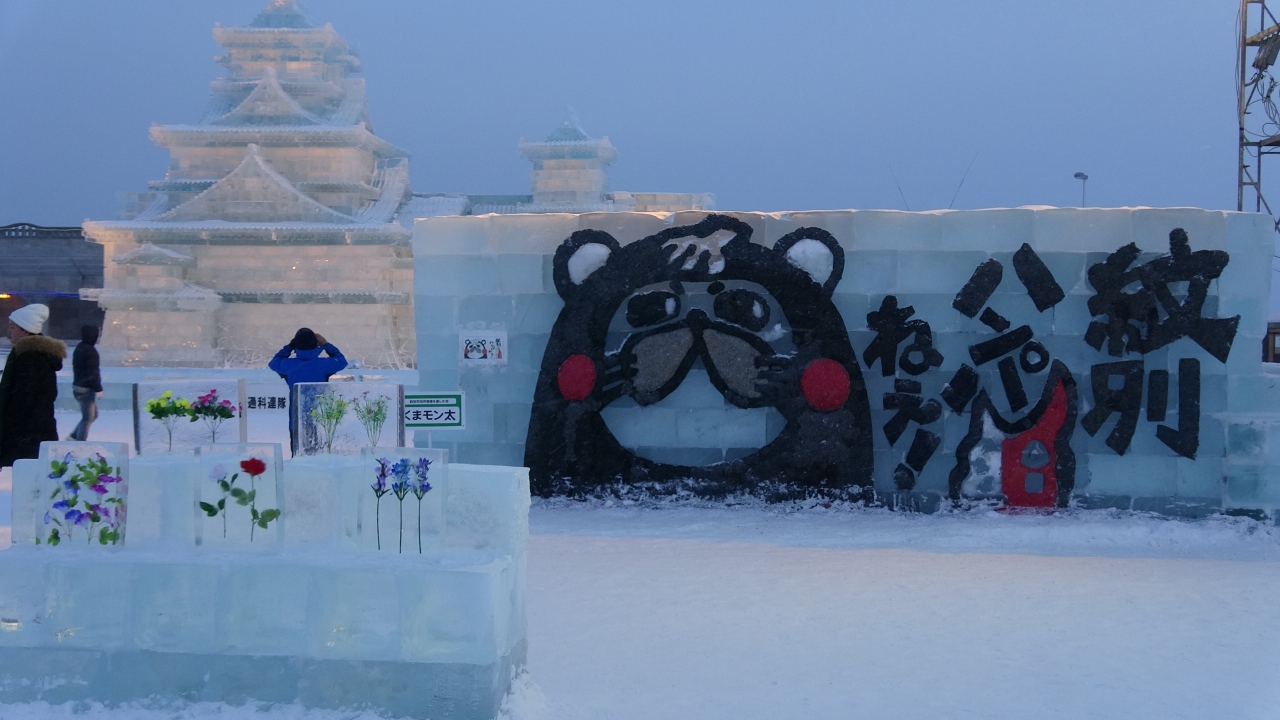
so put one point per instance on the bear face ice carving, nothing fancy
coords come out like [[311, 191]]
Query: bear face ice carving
[[760, 321], [729, 326]]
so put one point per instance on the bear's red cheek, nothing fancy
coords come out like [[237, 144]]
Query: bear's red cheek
[[825, 384], [577, 377]]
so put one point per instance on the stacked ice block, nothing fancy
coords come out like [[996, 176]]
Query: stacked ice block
[[314, 614]]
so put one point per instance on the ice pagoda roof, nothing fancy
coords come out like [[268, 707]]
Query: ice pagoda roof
[[275, 136], [281, 14], [568, 131], [570, 141], [149, 254], [268, 104], [254, 192]]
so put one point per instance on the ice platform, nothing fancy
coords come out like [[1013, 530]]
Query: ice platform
[[327, 619]]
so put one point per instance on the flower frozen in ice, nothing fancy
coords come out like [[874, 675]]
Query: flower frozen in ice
[[420, 471], [218, 473], [380, 476], [400, 486], [253, 466]]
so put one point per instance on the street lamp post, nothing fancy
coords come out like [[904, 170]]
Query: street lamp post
[[1084, 183]]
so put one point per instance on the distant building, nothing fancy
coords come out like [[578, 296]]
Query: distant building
[[278, 210], [49, 265]]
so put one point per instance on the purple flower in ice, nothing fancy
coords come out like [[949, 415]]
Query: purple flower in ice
[[420, 471], [47, 519], [380, 477], [218, 473]]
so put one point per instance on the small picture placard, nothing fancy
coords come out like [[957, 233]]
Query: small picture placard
[[482, 347]]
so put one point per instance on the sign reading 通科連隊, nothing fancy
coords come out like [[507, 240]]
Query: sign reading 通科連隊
[[443, 410]]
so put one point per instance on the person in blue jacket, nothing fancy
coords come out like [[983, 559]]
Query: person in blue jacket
[[300, 361]]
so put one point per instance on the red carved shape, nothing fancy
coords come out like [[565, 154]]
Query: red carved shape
[[577, 377], [825, 384], [1014, 472]]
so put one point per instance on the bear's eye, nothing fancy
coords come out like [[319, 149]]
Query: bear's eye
[[652, 308], [743, 307]]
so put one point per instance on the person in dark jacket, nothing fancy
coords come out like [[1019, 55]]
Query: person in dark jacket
[[300, 361], [87, 384], [29, 386]]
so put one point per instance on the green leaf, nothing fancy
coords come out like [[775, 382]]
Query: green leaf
[[251, 495], [54, 538], [269, 515], [209, 509], [103, 535], [238, 493], [222, 504], [226, 487], [254, 513]]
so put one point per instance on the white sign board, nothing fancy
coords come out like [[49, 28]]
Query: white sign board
[[266, 396], [434, 411]]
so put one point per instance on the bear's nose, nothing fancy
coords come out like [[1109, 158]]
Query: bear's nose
[[698, 317]]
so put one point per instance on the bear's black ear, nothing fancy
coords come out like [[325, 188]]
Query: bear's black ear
[[816, 252], [583, 253]]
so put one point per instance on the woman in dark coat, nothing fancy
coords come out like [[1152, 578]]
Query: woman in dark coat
[[87, 385], [29, 386]]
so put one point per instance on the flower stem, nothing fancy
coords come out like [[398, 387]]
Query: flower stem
[[377, 519], [419, 526], [253, 505], [401, 524]]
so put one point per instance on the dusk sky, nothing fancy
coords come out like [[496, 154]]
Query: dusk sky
[[771, 106]]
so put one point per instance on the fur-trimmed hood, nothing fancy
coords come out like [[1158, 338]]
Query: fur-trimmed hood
[[41, 344]]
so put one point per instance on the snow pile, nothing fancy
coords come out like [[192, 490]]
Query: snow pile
[[525, 701]]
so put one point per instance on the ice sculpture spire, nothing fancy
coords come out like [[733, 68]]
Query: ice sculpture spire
[[281, 14]]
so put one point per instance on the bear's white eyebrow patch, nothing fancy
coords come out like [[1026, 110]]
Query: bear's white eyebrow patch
[[709, 245], [671, 306], [757, 309], [586, 260], [812, 257]]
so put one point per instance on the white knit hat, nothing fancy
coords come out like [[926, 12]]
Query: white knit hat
[[30, 317]]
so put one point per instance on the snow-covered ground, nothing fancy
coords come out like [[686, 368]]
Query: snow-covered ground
[[770, 612]]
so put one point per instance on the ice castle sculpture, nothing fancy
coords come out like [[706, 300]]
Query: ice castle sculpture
[[279, 209]]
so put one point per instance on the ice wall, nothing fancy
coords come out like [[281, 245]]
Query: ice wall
[[317, 615], [496, 272]]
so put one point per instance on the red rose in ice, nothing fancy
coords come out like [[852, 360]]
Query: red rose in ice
[[253, 466]]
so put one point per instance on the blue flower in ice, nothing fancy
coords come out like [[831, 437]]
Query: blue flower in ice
[[400, 486], [47, 519]]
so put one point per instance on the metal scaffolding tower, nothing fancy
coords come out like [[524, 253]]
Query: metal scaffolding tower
[[1257, 48]]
